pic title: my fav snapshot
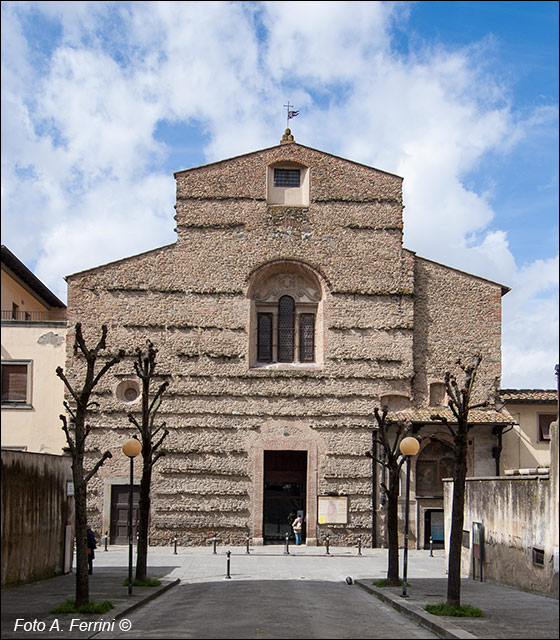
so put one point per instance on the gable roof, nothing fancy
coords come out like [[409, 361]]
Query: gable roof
[[16, 266], [291, 144]]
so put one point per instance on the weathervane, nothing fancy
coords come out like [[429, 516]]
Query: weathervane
[[291, 114]]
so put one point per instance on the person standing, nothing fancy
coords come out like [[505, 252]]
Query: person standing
[[91, 546], [297, 525]]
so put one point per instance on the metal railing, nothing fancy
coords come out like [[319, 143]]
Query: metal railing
[[54, 315]]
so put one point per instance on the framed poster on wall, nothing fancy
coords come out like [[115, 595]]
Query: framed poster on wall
[[332, 510]]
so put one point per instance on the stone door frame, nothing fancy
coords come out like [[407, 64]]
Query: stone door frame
[[257, 499]]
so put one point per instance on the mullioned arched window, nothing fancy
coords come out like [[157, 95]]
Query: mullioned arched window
[[286, 316]]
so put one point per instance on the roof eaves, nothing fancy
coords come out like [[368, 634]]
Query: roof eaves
[[505, 289], [16, 266], [109, 264]]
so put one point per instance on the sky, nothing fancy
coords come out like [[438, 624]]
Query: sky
[[103, 101]]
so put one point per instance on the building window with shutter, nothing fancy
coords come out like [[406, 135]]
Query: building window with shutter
[[16, 384]]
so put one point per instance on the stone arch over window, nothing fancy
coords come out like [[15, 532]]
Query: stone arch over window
[[286, 317], [287, 184], [435, 462]]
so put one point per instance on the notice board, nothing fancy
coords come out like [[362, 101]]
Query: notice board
[[332, 510]]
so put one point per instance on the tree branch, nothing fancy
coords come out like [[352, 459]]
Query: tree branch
[[69, 409], [132, 419], [98, 464], [67, 432], [156, 457], [60, 374], [156, 431], [157, 397], [114, 360]]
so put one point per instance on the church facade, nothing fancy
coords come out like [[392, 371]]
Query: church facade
[[284, 313]]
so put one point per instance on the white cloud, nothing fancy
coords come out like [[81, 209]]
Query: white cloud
[[84, 174]]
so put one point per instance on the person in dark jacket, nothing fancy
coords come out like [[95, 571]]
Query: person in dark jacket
[[91, 546]]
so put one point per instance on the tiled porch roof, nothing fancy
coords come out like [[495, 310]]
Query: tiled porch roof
[[476, 416], [528, 396]]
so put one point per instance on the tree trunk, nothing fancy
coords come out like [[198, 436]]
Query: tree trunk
[[393, 528], [457, 517], [143, 523], [80, 503]]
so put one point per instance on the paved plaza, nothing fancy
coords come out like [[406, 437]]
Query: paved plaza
[[268, 575]]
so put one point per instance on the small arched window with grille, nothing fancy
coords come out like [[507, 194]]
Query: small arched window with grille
[[286, 324]]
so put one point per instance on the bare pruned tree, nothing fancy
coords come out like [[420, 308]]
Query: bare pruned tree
[[151, 437], [460, 399], [388, 434], [77, 431]]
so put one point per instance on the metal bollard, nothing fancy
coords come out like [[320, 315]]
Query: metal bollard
[[214, 539], [106, 538], [359, 545], [327, 544], [175, 544], [247, 543], [287, 549], [431, 547], [228, 553]]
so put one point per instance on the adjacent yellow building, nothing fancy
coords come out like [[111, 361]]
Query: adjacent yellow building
[[33, 346], [527, 445]]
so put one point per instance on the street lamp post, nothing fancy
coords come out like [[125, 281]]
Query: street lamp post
[[409, 447], [131, 449]]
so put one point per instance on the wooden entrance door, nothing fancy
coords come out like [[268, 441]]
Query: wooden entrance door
[[119, 513]]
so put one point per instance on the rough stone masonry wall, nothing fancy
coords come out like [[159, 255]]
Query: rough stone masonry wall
[[456, 315], [191, 300]]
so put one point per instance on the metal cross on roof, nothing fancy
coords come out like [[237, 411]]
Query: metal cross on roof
[[291, 114]]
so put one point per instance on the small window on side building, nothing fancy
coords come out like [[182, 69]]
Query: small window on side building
[[545, 420], [15, 383], [538, 557]]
